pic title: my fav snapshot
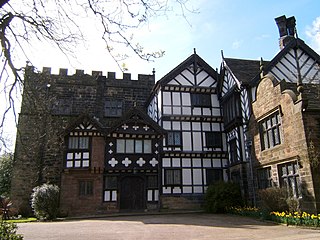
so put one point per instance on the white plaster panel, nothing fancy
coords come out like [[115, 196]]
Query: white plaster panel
[[156, 195], [176, 162], [114, 196], [176, 190], [187, 74], [196, 162], [176, 110], [166, 125], [186, 126], [187, 189], [176, 99], [207, 111], [196, 126], [186, 110], [206, 126], [166, 190], [186, 162], [196, 111], [106, 195], [197, 189], [207, 162], [216, 163], [150, 195], [167, 110], [186, 173], [186, 99], [197, 143], [197, 176], [176, 126], [167, 98], [186, 139], [182, 80], [166, 162], [214, 100]]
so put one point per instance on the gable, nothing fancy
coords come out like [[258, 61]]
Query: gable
[[294, 64], [193, 72], [85, 126]]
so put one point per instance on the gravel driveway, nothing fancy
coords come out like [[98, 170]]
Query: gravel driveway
[[163, 227]]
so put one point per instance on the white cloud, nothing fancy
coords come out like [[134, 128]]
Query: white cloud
[[313, 32]]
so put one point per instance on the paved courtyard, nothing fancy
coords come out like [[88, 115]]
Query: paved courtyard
[[162, 227]]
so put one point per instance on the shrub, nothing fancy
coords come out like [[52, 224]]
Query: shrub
[[221, 196], [6, 167], [273, 199], [8, 231], [45, 201]]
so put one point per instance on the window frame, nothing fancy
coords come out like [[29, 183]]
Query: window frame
[[270, 132], [211, 175], [201, 99], [288, 178], [176, 182], [212, 140], [233, 151], [146, 147], [264, 177], [112, 105], [175, 140], [86, 188], [77, 154]]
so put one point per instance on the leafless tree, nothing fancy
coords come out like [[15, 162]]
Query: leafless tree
[[26, 22]]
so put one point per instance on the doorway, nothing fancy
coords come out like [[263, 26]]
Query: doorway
[[132, 193]]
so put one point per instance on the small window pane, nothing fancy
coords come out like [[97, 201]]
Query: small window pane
[[138, 146], [83, 142], [120, 145], [129, 146], [147, 146], [73, 143], [111, 182]]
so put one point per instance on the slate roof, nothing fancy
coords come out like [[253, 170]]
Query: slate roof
[[243, 69]]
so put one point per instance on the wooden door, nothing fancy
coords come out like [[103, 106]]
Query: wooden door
[[132, 193]]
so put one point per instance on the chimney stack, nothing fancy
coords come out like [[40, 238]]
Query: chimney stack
[[287, 29]]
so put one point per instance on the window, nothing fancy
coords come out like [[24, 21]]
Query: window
[[289, 178], [113, 108], [231, 109], [78, 152], [233, 153], [264, 178], [172, 177], [152, 182], [86, 188], [174, 138], [134, 146], [270, 131], [200, 100], [214, 175], [213, 139], [111, 182]]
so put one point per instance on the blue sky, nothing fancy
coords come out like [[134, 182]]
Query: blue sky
[[241, 28]]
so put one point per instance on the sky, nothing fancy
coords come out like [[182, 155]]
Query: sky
[[243, 29], [240, 28]]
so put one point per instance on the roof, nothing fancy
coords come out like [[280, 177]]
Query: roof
[[243, 69]]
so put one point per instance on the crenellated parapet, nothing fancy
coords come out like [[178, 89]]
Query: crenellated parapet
[[79, 75]]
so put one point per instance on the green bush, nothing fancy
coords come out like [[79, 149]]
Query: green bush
[[221, 196], [45, 201], [8, 231], [6, 167], [273, 199]]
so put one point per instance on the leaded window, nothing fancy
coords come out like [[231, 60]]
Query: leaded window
[[214, 175], [174, 138], [85, 188], [200, 100], [113, 108], [289, 178], [134, 146], [270, 131], [264, 178], [172, 177], [233, 151], [78, 152], [213, 139], [231, 109]]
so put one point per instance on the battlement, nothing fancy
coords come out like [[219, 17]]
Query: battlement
[[81, 73]]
